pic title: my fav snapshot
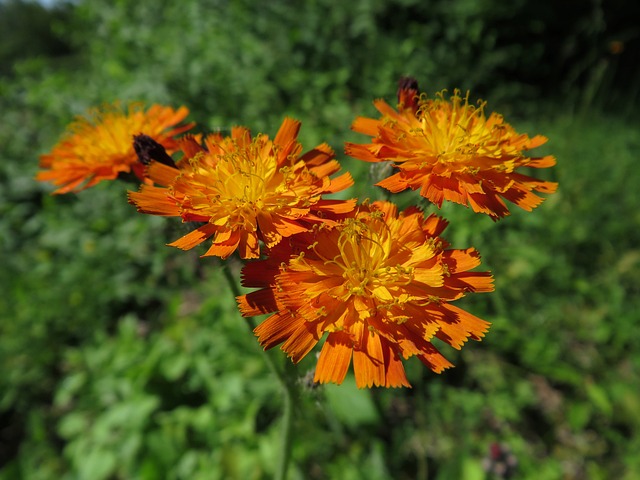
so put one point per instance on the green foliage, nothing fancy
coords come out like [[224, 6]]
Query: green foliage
[[122, 358], [28, 29]]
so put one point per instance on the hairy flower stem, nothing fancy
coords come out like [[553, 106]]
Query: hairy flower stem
[[287, 381]]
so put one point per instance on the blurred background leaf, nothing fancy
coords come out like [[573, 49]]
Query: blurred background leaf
[[122, 358]]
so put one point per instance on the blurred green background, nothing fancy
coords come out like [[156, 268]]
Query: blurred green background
[[121, 358]]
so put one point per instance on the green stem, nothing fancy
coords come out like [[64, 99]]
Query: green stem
[[235, 289], [421, 407], [287, 382], [288, 393], [251, 322]]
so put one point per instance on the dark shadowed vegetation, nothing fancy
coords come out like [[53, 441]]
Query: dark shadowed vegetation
[[122, 358]]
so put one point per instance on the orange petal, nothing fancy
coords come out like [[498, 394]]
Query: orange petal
[[288, 132], [154, 201], [249, 246], [257, 303], [395, 183], [301, 341], [435, 361], [472, 282], [162, 174], [259, 274], [394, 375], [336, 206], [190, 146], [384, 108], [274, 227], [367, 126], [318, 156], [389, 209], [489, 204], [522, 198], [368, 359], [339, 183], [241, 135], [334, 359], [225, 243], [462, 260], [277, 328], [543, 162], [361, 152], [459, 325], [537, 141], [195, 237], [434, 225]]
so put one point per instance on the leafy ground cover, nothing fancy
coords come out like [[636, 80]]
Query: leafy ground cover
[[123, 358]]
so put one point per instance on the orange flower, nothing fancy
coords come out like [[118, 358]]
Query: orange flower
[[246, 190], [379, 284], [100, 146], [450, 150]]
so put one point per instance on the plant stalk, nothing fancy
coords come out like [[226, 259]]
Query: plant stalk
[[287, 382]]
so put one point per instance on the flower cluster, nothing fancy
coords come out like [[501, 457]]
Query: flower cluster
[[369, 284]]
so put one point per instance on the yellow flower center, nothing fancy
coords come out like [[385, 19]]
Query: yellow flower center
[[231, 187], [363, 251], [244, 177], [370, 281], [364, 266], [455, 133]]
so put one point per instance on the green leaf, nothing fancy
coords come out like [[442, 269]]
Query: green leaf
[[351, 406]]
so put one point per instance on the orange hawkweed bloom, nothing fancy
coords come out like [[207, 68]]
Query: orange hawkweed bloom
[[246, 190], [379, 284], [450, 150], [100, 146]]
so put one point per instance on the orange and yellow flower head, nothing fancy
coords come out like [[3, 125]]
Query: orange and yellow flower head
[[379, 284], [245, 190], [100, 146], [448, 149]]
